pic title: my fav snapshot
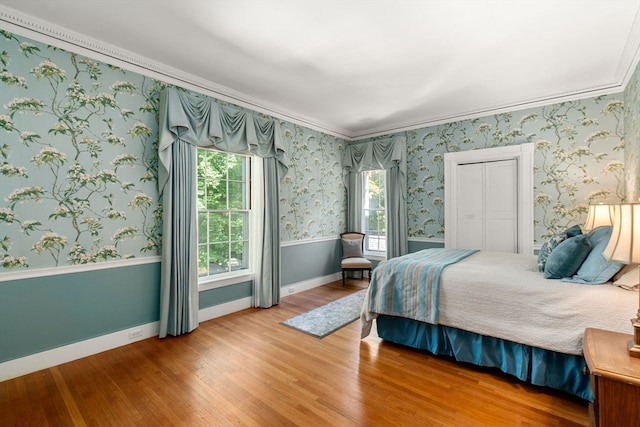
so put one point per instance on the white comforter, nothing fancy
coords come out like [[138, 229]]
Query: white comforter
[[505, 296]]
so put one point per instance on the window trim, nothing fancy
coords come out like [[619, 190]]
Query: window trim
[[246, 274], [225, 279], [376, 255]]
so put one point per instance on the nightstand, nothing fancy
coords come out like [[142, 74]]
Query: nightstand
[[615, 379]]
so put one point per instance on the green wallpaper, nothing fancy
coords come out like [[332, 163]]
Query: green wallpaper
[[632, 138], [312, 195], [579, 150], [78, 163]]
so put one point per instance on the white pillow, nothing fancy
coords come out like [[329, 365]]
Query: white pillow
[[629, 280]]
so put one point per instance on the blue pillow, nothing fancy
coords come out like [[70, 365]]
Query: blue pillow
[[573, 231], [596, 269], [567, 257], [600, 233], [548, 246]]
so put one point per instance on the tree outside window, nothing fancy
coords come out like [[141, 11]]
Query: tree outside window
[[223, 212]]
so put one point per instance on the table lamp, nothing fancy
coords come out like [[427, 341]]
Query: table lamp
[[624, 247], [600, 214]]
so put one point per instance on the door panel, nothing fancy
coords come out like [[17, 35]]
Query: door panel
[[501, 206], [470, 214]]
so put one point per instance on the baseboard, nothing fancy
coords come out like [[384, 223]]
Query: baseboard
[[49, 358], [220, 310], [305, 285], [46, 359]]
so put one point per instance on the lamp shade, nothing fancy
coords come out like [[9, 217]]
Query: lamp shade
[[624, 245], [599, 215]]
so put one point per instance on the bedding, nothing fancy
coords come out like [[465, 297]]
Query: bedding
[[505, 296]]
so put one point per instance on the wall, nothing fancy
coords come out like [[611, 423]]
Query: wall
[[579, 154], [632, 138], [79, 208]]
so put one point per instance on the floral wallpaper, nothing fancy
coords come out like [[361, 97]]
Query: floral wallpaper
[[78, 161], [632, 138], [312, 195], [78, 165], [579, 150]]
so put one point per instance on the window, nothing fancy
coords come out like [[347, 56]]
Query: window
[[223, 181], [374, 218]]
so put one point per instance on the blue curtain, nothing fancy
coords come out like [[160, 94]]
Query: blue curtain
[[188, 121], [388, 154]]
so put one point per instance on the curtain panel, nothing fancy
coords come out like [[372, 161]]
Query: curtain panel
[[188, 121], [388, 154]]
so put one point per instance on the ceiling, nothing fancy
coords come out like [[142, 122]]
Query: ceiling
[[356, 68]]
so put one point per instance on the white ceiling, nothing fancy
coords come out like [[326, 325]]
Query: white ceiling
[[357, 68]]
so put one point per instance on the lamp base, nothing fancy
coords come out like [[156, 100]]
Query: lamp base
[[634, 345]]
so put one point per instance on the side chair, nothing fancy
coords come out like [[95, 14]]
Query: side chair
[[352, 254]]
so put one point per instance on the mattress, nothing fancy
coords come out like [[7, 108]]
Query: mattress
[[504, 296]]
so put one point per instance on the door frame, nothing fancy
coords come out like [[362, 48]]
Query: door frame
[[523, 154]]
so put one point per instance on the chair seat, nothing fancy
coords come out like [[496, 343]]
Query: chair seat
[[356, 263]]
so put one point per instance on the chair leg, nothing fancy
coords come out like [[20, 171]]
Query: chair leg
[[343, 274]]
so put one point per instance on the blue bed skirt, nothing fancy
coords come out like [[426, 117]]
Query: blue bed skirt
[[531, 364]]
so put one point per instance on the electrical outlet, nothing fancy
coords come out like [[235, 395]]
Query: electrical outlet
[[292, 290], [135, 333]]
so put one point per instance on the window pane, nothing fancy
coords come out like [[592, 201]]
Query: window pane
[[238, 260], [216, 194], [201, 160], [216, 166], [373, 212], [223, 195], [218, 227], [239, 226], [203, 261], [236, 195], [218, 258], [202, 227], [235, 168]]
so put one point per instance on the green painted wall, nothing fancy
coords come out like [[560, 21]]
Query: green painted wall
[[310, 260], [111, 209], [217, 296], [42, 313]]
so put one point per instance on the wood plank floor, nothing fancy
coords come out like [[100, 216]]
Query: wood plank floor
[[245, 369]]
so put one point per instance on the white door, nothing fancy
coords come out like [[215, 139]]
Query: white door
[[493, 208], [487, 202]]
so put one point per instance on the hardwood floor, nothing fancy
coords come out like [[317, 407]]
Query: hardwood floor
[[245, 369]]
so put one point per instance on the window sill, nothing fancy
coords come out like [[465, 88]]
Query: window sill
[[224, 280], [375, 256]]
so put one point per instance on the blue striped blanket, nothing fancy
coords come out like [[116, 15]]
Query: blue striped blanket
[[408, 286]]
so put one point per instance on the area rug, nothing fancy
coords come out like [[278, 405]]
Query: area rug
[[328, 318]]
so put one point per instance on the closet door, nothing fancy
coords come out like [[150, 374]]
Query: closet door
[[487, 201], [501, 206], [470, 206]]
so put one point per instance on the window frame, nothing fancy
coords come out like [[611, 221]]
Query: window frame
[[379, 254], [212, 281]]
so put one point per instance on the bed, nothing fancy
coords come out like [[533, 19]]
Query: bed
[[496, 310]]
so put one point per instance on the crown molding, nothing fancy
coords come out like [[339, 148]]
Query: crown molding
[[45, 32], [604, 89]]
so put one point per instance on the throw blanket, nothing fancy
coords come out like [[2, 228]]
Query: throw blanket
[[408, 286]]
